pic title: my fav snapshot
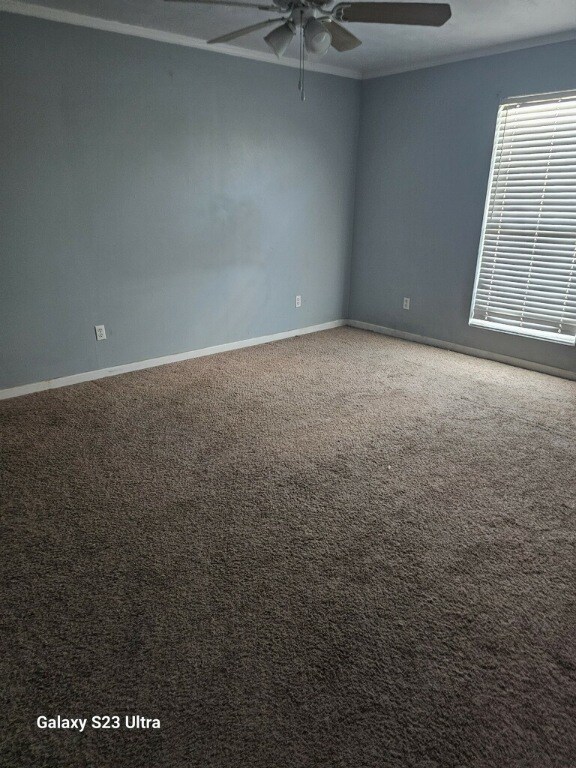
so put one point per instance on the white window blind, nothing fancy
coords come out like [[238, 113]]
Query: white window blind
[[526, 275]]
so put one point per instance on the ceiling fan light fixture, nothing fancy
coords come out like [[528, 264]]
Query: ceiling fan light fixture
[[317, 37], [280, 38]]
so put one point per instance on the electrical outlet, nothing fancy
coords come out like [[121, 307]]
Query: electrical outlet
[[406, 304], [100, 332], [298, 301]]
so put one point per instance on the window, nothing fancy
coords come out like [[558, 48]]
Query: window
[[526, 276]]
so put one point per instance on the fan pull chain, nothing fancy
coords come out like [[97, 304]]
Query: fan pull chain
[[301, 81]]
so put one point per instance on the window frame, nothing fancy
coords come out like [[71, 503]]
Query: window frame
[[551, 336]]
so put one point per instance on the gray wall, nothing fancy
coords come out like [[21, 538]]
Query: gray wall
[[424, 159], [183, 198], [180, 197]]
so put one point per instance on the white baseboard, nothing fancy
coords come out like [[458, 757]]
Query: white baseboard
[[517, 362], [77, 378]]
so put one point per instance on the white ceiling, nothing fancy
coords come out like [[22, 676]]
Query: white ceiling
[[476, 27]]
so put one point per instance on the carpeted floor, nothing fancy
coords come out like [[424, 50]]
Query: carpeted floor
[[340, 550]]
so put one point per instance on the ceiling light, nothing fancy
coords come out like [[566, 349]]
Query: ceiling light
[[280, 38], [317, 37]]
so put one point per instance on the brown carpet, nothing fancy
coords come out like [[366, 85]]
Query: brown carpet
[[340, 550]]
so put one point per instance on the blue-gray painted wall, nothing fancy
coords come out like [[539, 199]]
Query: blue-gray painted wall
[[183, 198], [424, 159], [180, 197]]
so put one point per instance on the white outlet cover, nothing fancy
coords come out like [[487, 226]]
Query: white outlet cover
[[298, 301], [100, 332], [406, 303]]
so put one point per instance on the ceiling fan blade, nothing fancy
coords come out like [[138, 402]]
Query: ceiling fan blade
[[241, 32], [226, 3], [342, 40], [425, 14]]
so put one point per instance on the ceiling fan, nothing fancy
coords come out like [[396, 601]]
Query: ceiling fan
[[318, 25]]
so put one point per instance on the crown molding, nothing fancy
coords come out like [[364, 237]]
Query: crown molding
[[108, 25], [517, 45]]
